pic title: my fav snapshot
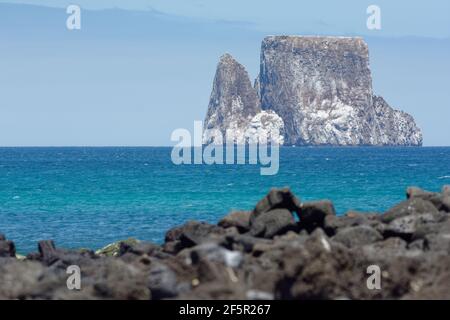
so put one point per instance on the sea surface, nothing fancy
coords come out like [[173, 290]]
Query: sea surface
[[89, 197]]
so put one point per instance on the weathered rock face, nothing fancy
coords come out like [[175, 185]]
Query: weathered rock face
[[395, 127], [234, 106], [318, 88], [321, 87]]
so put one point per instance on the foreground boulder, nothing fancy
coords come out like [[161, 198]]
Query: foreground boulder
[[274, 213], [357, 236], [7, 248], [192, 233], [312, 214], [407, 226], [237, 219], [412, 206], [277, 199], [440, 200], [332, 224], [269, 224]]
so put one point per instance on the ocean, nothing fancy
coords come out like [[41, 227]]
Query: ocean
[[89, 197]]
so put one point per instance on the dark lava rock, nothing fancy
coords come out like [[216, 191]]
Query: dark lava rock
[[193, 233], [357, 236], [216, 253], [47, 251], [445, 203], [312, 214], [105, 278], [139, 248], [243, 242], [415, 192], [438, 239], [238, 219], [112, 278], [406, 226], [7, 248], [323, 256], [20, 279], [271, 223], [271, 248], [216, 290], [440, 200], [386, 249], [332, 224], [277, 199], [162, 281], [46, 248], [319, 271], [211, 271], [412, 206], [174, 234], [173, 247]]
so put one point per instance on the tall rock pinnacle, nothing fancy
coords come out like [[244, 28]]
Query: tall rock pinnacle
[[395, 127], [234, 104]]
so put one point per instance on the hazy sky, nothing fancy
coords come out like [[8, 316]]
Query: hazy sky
[[401, 17], [132, 77]]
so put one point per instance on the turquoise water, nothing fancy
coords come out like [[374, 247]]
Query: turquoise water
[[89, 197]]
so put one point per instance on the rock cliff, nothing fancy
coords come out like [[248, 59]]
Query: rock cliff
[[234, 106], [316, 91]]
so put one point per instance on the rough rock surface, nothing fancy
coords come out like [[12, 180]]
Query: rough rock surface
[[298, 251], [318, 91], [234, 108], [395, 127]]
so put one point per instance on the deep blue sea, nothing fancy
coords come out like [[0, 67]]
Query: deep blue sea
[[89, 197]]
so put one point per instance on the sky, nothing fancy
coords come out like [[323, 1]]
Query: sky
[[137, 70]]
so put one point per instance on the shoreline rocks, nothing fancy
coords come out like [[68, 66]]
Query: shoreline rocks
[[283, 249]]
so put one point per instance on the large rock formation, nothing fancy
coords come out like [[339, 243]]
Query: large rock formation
[[395, 127], [234, 106], [321, 88]]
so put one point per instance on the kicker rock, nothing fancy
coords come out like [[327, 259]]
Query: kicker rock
[[265, 126], [322, 89], [234, 108], [395, 127], [313, 91]]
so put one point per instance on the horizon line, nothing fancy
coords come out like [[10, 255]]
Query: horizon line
[[171, 146]]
